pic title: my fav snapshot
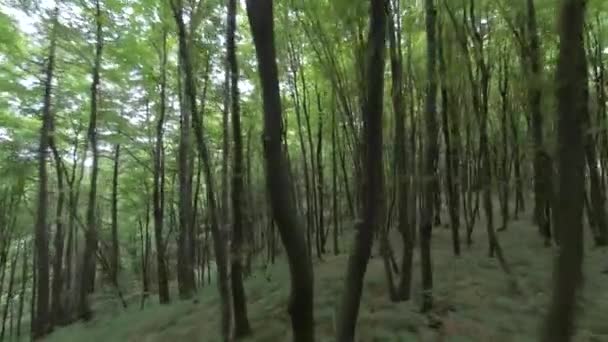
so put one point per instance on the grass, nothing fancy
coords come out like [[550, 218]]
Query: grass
[[473, 300]]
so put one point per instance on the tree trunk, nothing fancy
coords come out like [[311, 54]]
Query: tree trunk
[[90, 250], [9, 294], [159, 182], [334, 178], [42, 324], [542, 170], [572, 96], [221, 255], [241, 322], [115, 261], [57, 309], [371, 185], [430, 158], [260, 15], [24, 278], [447, 112]]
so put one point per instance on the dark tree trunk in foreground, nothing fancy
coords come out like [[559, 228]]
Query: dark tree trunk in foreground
[[430, 158], [572, 96], [260, 15], [241, 323], [41, 325], [185, 269], [90, 249], [371, 182]]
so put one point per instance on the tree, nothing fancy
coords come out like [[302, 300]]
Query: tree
[[572, 107], [430, 156], [260, 14], [159, 180], [241, 323], [371, 185], [41, 321]]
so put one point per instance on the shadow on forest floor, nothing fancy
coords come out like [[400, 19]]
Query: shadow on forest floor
[[472, 296]]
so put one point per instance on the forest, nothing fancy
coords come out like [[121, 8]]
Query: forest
[[303, 170]]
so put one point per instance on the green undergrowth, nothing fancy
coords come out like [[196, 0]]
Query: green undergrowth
[[473, 300]]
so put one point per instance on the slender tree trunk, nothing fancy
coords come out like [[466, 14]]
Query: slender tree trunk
[[9, 294], [572, 96], [241, 322], [320, 184], [430, 158], [504, 155], [371, 181], [158, 195], [90, 250], [541, 164], [221, 255], [260, 15], [334, 178], [115, 248], [42, 324], [57, 305], [447, 112], [24, 278]]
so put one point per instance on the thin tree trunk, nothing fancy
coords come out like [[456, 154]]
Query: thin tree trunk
[[9, 293], [158, 195], [447, 112], [260, 15], [90, 250], [241, 322], [430, 158], [221, 255], [24, 278], [42, 324], [371, 187], [115, 257], [57, 309], [334, 178]]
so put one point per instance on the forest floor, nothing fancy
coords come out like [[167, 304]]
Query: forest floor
[[473, 300]]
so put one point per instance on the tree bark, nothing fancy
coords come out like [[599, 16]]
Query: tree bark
[[241, 322], [42, 324], [221, 255], [571, 96], [371, 185], [158, 195], [260, 15], [90, 250], [430, 157], [115, 261]]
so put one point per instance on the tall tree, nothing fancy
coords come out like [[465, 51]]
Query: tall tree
[[115, 257], [41, 320], [430, 156], [241, 323], [221, 255], [87, 279], [572, 107], [260, 14], [371, 184], [158, 194]]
